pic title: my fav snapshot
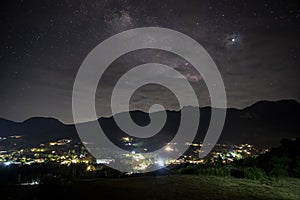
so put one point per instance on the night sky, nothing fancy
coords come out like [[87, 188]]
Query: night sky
[[255, 44]]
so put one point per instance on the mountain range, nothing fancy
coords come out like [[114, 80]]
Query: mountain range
[[263, 124]]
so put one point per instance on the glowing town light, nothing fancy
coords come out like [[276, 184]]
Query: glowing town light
[[160, 162], [7, 163], [126, 139], [168, 149], [89, 168], [143, 167], [138, 157], [35, 182], [104, 161]]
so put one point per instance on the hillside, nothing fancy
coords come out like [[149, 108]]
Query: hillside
[[263, 124]]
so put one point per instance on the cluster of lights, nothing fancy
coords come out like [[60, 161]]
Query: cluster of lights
[[138, 161], [160, 162], [34, 182], [44, 153], [60, 142]]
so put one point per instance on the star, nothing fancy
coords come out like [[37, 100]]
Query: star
[[232, 40]]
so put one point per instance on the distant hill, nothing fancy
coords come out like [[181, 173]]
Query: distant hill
[[263, 124], [37, 130]]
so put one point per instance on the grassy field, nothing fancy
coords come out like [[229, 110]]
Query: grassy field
[[162, 187]]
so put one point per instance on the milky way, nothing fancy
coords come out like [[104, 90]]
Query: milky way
[[254, 44]]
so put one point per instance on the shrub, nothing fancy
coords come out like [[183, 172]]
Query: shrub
[[254, 173], [215, 171], [279, 171], [296, 167], [237, 173], [191, 169], [280, 167]]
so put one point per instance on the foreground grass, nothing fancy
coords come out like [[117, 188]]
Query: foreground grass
[[162, 187]]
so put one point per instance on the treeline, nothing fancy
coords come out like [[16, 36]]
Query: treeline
[[283, 161]]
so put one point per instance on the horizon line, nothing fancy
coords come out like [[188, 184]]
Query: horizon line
[[138, 110]]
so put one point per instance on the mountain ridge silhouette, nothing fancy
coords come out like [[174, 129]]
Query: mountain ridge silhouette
[[264, 124]]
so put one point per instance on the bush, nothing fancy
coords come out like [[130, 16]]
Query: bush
[[280, 167], [296, 167], [216, 171], [279, 172], [254, 173], [191, 169], [237, 173]]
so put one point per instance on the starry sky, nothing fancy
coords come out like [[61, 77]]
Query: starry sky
[[254, 43]]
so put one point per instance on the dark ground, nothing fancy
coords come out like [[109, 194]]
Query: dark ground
[[161, 187]]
